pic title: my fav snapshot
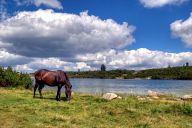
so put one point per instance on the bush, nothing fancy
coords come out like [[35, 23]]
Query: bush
[[11, 78]]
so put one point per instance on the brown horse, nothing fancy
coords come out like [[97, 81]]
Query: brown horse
[[52, 78]]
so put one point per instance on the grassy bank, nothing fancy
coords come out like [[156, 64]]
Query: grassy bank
[[19, 109]]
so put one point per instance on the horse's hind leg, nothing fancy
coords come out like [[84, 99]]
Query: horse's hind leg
[[40, 89], [35, 88]]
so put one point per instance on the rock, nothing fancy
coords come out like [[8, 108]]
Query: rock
[[148, 98], [110, 96], [153, 93], [119, 97], [141, 99], [155, 97], [72, 93], [187, 97]]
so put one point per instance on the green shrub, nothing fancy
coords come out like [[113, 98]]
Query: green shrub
[[11, 78]]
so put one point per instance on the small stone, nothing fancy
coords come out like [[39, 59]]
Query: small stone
[[141, 99], [153, 93], [155, 97], [119, 97], [150, 99]]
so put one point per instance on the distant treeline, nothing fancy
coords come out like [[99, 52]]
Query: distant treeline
[[170, 73], [11, 78]]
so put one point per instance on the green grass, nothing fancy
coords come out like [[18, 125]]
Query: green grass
[[19, 109]]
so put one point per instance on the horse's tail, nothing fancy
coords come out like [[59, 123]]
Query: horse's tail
[[35, 74]]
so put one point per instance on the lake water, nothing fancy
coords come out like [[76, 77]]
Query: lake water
[[137, 87]]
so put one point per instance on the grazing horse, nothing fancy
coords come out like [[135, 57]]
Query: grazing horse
[[52, 78]]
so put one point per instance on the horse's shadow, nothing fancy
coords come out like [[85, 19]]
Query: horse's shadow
[[51, 98]]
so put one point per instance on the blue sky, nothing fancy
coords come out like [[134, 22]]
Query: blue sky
[[152, 24], [153, 33]]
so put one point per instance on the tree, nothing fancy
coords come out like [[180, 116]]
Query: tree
[[187, 64], [103, 67]]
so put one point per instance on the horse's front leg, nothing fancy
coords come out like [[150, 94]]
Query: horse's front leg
[[40, 90], [58, 93]]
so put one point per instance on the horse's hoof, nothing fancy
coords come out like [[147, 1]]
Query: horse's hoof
[[57, 99]]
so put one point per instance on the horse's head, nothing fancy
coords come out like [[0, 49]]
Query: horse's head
[[68, 88]]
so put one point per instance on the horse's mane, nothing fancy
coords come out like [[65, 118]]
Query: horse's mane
[[65, 74], [67, 78]]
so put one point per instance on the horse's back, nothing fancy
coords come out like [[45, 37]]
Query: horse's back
[[40, 73], [51, 77]]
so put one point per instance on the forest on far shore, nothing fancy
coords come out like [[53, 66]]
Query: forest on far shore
[[169, 73]]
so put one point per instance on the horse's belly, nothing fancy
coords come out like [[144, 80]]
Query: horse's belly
[[51, 85], [50, 81]]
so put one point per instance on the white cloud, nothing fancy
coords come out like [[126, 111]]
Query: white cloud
[[45, 33], [52, 64], [136, 59], [160, 3], [183, 29], [8, 59], [50, 3]]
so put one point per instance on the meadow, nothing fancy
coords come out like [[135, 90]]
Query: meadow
[[19, 109]]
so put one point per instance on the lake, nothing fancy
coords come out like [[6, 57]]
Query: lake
[[127, 86]]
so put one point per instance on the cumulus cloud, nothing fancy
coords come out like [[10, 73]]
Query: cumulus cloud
[[45, 33], [52, 64], [160, 3], [136, 59], [50, 3], [183, 29], [8, 59], [132, 60]]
